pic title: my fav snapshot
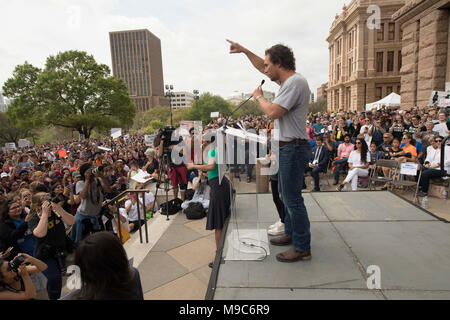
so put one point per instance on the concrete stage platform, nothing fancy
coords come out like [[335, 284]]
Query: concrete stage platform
[[350, 232]]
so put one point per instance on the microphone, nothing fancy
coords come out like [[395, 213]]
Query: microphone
[[226, 121]]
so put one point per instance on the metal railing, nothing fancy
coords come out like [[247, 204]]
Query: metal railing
[[119, 198]]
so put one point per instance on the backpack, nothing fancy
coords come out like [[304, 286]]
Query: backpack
[[174, 207], [195, 211]]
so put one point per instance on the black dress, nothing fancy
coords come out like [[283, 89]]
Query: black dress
[[220, 204]]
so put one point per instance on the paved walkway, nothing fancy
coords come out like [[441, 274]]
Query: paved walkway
[[174, 265]]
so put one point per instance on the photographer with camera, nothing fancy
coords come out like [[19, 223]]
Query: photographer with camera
[[169, 146], [15, 281], [90, 189], [14, 231], [47, 225]]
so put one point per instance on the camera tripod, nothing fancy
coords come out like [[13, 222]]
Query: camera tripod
[[164, 172]]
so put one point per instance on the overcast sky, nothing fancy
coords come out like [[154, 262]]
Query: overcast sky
[[192, 32]]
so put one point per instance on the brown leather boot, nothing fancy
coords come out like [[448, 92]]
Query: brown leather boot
[[293, 255], [281, 241]]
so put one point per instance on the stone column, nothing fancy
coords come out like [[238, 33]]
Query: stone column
[[371, 55], [447, 76]]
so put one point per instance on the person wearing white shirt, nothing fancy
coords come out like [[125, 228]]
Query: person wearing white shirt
[[131, 208], [442, 127], [432, 165], [358, 164], [202, 191]]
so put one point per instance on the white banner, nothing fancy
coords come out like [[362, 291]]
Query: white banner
[[409, 168], [116, 132], [215, 114], [24, 143], [148, 140], [10, 146]]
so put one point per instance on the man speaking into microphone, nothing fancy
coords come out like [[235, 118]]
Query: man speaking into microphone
[[289, 110]]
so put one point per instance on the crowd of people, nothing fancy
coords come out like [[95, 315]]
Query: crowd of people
[[50, 194], [356, 140]]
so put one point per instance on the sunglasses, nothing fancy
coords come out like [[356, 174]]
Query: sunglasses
[[437, 141], [358, 143]]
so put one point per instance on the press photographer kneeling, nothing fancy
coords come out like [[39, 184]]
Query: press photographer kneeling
[[15, 281], [48, 228]]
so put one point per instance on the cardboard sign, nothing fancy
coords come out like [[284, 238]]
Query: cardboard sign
[[62, 153], [24, 143], [408, 168], [148, 140], [116, 133], [215, 114], [444, 102], [10, 146]]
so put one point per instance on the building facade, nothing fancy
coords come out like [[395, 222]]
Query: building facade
[[136, 58], [425, 49], [182, 99], [322, 92], [365, 61]]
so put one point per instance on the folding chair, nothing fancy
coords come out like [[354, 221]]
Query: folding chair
[[391, 164], [398, 182]]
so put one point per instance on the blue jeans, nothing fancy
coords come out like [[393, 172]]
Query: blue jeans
[[293, 160], [77, 231], [339, 164], [54, 279]]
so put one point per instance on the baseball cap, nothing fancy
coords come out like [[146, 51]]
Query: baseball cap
[[76, 174], [4, 175], [22, 171]]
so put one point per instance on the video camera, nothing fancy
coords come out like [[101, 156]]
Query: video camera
[[165, 135]]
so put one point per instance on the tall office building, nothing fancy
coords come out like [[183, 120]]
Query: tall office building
[[136, 58]]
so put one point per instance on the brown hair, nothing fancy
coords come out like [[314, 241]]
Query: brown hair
[[37, 200]]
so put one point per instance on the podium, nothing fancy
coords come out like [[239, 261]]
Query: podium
[[245, 243]]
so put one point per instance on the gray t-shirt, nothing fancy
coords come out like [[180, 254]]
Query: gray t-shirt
[[294, 97], [90, 206]]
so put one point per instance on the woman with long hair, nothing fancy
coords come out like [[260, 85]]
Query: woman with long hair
[[17, 284], [358, 164], [220, 200], [105, 271]]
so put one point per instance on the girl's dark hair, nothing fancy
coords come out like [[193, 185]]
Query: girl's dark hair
[[104, 267], [364, 149], [280, 54], [409, 135], [4, 210], [84, 167]]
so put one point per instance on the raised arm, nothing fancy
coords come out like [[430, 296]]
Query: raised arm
[[256, 61]]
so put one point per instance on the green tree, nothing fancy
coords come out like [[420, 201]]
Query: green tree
[[73, 91], [9, 132], [161, 114], [318, 106], [250, 107], [201, 109]]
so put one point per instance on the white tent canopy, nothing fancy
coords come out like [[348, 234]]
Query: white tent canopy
[[392, 100]]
